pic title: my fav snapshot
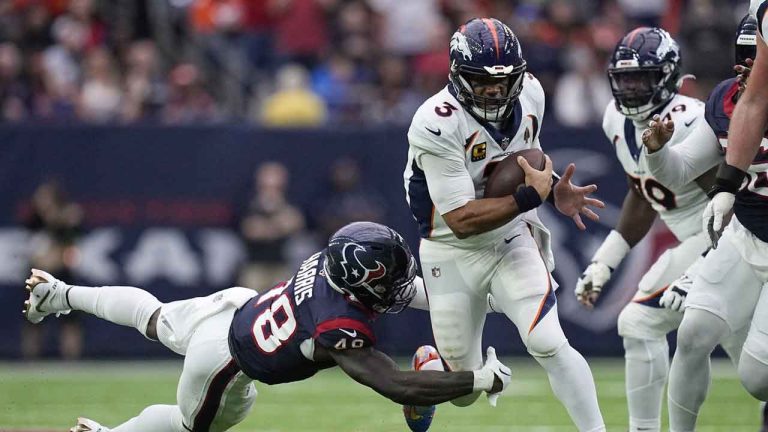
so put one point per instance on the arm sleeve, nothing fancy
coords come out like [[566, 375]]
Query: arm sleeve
[[450, 185], [679, 165]]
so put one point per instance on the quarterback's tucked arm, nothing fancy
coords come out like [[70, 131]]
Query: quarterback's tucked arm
[[376, 370], [448, 177]]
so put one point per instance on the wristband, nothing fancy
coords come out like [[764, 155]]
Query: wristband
[[612, 251], [483, 380], [551, 196], [527, 198], [729, 179]]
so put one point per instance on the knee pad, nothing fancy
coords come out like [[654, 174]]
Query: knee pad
[[754, 376], [640, 321], [654, 352], [700, 332], [546, 339], [645, 350]]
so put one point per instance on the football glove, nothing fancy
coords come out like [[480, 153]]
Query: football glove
[[590, 284], [597, 274], [712, 219], [674, 296], [486, 377]]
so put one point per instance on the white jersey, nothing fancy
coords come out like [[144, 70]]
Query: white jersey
[[680, 206], [459, 152]]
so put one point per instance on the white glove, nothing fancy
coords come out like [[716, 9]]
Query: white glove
[[607, 258], [674, 296], [491, 370], [591, 282], [712, 219]]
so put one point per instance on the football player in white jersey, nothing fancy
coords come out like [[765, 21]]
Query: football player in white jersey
[[645, 77], [728, 289], [472, 246]]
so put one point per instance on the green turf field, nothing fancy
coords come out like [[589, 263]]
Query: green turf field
[[49, 396]]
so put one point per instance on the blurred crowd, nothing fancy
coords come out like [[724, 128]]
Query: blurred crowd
[[292, 63]]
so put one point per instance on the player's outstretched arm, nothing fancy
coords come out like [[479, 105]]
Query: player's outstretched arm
[[685, 162], [376, 370], [635, 221]]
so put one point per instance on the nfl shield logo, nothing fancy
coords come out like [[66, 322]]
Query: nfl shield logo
[[436, 272], [505, 142]]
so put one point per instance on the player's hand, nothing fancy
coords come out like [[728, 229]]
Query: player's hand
[[590, 284], [540, 180], [502, 375], [658, 133], [674, 296], [714, 215], [743, 73], [572, 200]]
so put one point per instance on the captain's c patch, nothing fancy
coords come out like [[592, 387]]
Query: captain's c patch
[[478, 152]]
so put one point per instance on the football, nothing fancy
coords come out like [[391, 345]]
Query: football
[[506, 176]]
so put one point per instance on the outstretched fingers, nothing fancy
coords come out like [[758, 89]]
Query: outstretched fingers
[[579, 223]]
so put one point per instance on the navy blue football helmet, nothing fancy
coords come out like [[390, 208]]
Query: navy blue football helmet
[[644, 72], [746, 40], [373, 264], [483, 52]]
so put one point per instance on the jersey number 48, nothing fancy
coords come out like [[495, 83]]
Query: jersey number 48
[[275, 325]]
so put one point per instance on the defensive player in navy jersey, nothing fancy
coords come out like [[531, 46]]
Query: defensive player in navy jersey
[[727, 287], [319, 318]]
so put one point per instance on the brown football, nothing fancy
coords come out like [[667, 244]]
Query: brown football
[[506, 176]]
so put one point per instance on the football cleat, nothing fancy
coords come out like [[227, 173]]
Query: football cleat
[[47, 295], [86, 425], [419, 418]]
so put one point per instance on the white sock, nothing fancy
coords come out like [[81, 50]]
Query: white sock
[[697, 336], [572, 382], [646, 368], [155, 418], [128, 306]]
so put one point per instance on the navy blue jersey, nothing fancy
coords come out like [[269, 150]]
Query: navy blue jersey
[[273, 336], [751, 206]]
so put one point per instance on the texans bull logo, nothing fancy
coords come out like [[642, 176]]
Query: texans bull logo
[[356, 273]]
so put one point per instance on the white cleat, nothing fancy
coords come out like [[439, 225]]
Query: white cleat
[[47, 295], [86, 425]]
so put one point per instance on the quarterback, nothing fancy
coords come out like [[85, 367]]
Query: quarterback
[[645, 76], [472, 246], [728, 289], [319, 318]]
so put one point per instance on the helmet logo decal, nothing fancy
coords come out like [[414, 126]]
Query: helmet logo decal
[[666, 44], [355, 273], [459, 43]]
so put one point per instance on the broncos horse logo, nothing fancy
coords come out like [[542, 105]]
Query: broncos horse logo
[[459, 43], [356, 273]]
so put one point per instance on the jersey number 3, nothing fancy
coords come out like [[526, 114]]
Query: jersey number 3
[[275, 325]]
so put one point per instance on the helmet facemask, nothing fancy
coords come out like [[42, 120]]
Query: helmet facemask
[[469, 82], [639, 91], [391, 293]]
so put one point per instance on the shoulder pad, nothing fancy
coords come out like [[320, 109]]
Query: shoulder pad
[[720, 105]]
